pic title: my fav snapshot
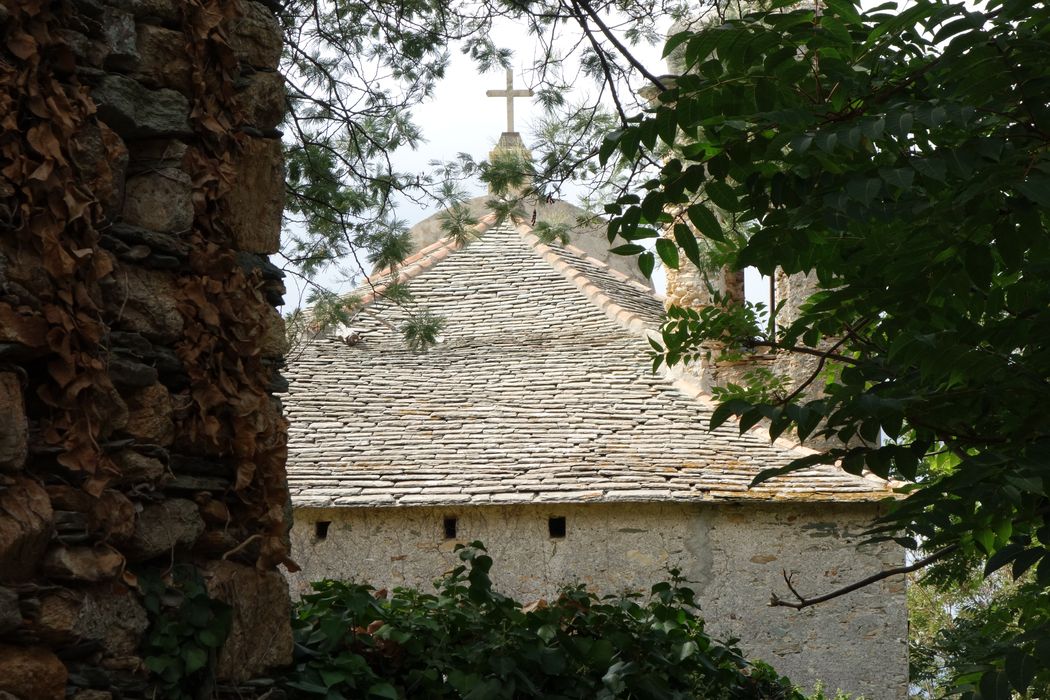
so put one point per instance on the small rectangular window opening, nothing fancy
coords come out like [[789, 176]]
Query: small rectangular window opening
[[556, 527], [450, 528], [321, 528]]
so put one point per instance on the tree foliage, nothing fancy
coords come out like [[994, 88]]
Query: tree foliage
[[900, 156], [356, 69], [468, 641]]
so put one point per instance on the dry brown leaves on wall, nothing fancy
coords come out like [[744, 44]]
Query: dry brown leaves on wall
[[50, 217]]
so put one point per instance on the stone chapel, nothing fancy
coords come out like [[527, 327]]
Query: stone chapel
[[537, 426]]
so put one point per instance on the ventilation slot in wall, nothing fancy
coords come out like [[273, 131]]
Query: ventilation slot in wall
[[450, 528], [556, 527], [321, 529]]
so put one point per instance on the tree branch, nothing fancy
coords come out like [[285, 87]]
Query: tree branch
[[803, 602], [620, 47]]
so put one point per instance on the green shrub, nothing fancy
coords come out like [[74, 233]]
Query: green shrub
[[468, 641]]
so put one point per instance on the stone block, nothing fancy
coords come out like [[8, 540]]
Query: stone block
[[150, 415], [102, 160], [88, 52], [255, 36], [91, 694], [260, 635], [144, 301], [26, 519], [163, 59], [159, 200], [10, 612], [113, 517], [32, 673], [156, 11], [20, 326], [261, 97], [135, 111], [137, 468], [14, 428], [86, 564], [110, 615], [274, 342], [125, 372], [163, 526], [118, 33], [256, 201]]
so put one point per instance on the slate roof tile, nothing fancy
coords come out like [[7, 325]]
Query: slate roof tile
[[539, 391]]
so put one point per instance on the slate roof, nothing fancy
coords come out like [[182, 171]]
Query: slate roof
[[540, 391]]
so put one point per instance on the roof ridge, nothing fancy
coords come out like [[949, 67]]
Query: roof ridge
[[628, 320], [420, 261]]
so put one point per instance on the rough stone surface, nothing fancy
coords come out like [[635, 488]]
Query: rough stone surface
[[113, 517], [14, 428], [166, 11], [159, 200], [150, 415], [26, 519], [10, 613], [20, 327], [90, 694], [163, 59], [733, 555], [84, 488], [82, 564], [88, 52], [135, 111], [111, 616], [262, 98], [137, 468], [118, 29], [144, 302], [126, 372], [102, 159], [163, 526], [257, 199], [255, 36], [260, 637], [32, 673], [275, 343]]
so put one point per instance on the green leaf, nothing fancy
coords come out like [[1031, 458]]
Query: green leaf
[[646, 263], [705, 222], [608, 147], [668, 253], [676, 40], [383, 690], [627, 249], [195, 658], [1021, 670], [721, 195], [685, 239], [995, 686]]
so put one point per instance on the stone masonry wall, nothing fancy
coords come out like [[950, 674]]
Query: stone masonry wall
[[141, 189], [735, 554]]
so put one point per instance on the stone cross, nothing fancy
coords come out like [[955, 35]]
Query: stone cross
[[510, 93]]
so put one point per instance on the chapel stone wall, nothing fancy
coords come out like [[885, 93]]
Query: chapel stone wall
[[140, 192]]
